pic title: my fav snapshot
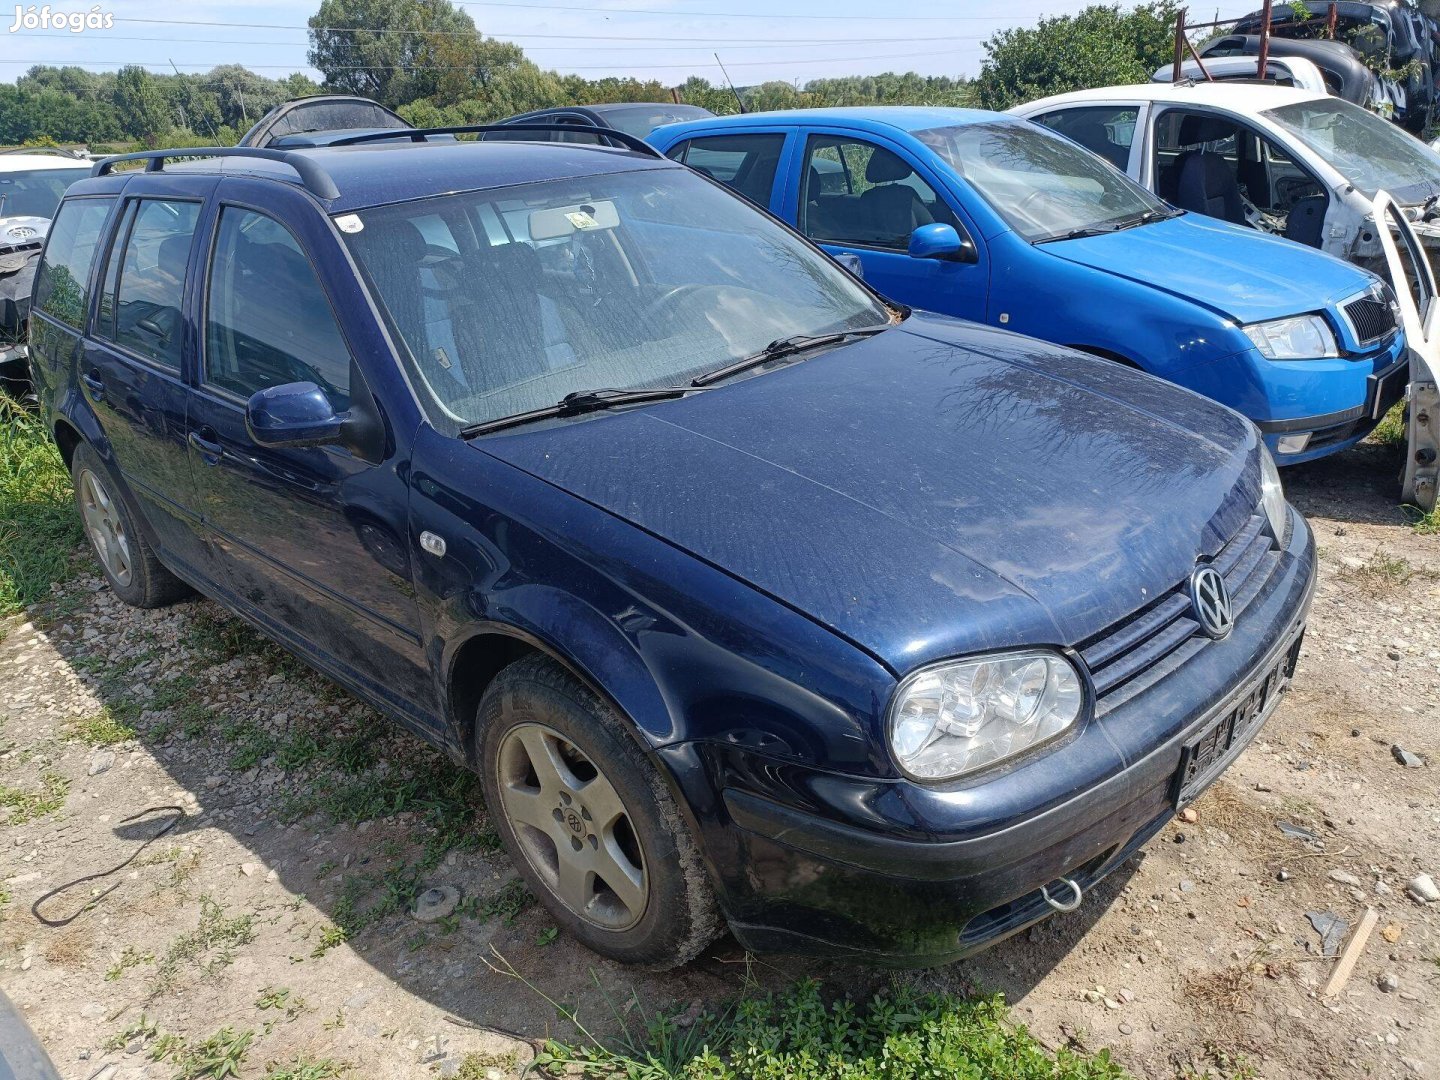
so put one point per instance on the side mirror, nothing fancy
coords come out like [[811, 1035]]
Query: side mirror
[[850, 261], [295, 414], [940, 241]]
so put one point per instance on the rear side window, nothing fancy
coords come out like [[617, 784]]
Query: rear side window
[[744, 163], [64, 275], [267, 320], [142, 308], [1107, 130]]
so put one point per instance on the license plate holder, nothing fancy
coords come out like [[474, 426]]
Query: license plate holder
[[1206, 755]]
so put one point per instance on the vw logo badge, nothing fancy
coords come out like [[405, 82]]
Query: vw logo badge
[[1211, 602]]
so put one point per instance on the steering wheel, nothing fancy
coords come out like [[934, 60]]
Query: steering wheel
[[672, 294]]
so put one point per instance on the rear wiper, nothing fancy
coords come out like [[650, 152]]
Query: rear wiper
[[782, 347], [581, 401]]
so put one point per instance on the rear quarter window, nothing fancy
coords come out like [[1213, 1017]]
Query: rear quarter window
[[61, 284]]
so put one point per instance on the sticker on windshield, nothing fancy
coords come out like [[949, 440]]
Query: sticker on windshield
[[582, 220], [349, 223]]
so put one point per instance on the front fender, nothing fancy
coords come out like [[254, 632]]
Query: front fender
[[683, 649]]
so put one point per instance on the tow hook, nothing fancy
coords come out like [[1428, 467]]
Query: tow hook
[[1076, 892]]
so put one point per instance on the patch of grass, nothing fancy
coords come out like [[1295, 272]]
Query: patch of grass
[[331, 936], [308, 1069], [130, 957], [39, 527], [211, 945], [474, 1065], [896, 1035], [1391, 429], [1384, 573], [104, 728], [1423, 523], [220, 1057], [28, 805]]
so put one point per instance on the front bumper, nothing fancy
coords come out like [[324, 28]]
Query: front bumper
[[1305, 438], [795, 880]]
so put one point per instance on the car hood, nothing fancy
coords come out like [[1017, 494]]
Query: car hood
[[939, 489], [1237, 272]]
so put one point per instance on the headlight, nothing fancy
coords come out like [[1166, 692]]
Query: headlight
[[1272, 495], [957, 717], [1305, 337]]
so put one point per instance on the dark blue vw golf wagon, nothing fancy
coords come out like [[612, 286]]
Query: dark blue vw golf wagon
[[754, 599]]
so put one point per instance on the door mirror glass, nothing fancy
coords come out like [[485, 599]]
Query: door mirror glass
[[940, 241], [292, 414]]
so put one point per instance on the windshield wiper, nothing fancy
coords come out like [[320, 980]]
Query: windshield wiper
[[1143, 218], [581, 401], [782, 347]]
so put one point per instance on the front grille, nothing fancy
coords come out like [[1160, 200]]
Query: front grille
[[1371, 317], [1140, 650]]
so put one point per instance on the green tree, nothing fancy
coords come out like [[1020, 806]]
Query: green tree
[[390, 50], [1100, 46], [144, 111]]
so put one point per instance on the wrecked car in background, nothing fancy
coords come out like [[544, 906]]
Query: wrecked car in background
[[984, 216], [31, 185]]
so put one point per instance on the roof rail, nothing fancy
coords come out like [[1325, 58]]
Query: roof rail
[[316, 180], [420, 134]]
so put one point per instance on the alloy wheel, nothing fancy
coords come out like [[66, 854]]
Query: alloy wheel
[[105, 527], [573, 827]]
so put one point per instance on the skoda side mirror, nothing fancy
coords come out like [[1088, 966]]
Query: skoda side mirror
[[294, 414], [944, 242]]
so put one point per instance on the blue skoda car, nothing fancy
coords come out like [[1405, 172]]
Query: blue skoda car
[[755, 600], [990, 218]]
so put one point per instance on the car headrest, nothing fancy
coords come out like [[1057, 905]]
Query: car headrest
[[1195, 130], [173, 254], [396, 241], [884, 166]]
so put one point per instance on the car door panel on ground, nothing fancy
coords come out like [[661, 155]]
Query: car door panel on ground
[[859, 196], [132, 365], [309, 537]]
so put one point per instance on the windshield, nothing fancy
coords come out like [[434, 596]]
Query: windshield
[[1042, 184], [36, 192], [1369, 152], [640, 120], [509, 299]]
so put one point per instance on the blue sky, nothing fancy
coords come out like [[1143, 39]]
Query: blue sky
[[664, 39]]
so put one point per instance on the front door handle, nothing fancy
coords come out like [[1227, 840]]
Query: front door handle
[[209, 448], [95, 385]]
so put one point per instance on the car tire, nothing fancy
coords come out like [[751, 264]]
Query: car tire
[[129, 564], [558, 765]]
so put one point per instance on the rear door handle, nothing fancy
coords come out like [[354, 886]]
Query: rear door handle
[[209, 448], [95, 385]]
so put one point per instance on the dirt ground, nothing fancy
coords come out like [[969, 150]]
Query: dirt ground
[[1196, 959]]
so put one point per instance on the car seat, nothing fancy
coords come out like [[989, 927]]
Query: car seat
[[891, 211], [1206, 182]]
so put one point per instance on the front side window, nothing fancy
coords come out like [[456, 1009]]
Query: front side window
[[267, 319], [1107, 130], [62, 281], [744, 163], [1044, 186], [854, 192], [509, 299], [145, 287], [1371, 153], [35, 192]]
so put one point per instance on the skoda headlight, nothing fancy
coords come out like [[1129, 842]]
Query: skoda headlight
[[1305, 337], [960, 716], [1272, 495]]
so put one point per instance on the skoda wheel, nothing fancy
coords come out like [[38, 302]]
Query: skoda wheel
[[588, 821], [126, 559]]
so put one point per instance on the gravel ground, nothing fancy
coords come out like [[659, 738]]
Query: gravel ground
[[299, 817]]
